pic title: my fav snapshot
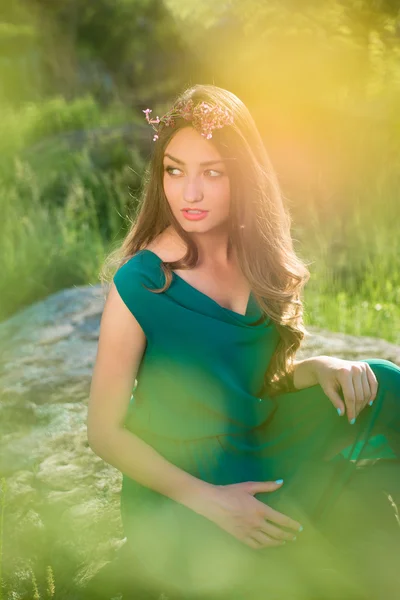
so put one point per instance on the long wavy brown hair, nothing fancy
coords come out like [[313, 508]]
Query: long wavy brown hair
[[264, 245]]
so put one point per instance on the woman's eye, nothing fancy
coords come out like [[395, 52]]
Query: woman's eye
[[170, 169], [218, 172]]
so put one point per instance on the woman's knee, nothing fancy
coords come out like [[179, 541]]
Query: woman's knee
[[385, 371]]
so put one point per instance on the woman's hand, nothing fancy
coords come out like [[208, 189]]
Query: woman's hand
[[234, 509], [356, 379]]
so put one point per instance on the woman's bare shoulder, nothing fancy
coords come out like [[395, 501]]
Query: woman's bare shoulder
[[167, 246]]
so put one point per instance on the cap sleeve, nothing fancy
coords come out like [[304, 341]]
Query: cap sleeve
[[130, 280]]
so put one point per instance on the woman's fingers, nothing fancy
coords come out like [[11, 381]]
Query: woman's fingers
[[359, 386], [276, 533], [257, 545], [263, 540], [373, 382], [276, 517], [360, 398], [367, 392], [349, 395]]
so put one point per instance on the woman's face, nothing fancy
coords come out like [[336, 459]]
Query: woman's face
[[189, 184]]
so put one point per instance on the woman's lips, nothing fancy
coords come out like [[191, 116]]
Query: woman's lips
[[194, 216]]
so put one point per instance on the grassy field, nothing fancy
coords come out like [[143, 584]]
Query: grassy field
[[48, 245], [355, 268]]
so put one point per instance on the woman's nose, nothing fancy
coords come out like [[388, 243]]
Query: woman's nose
[[193, 189]]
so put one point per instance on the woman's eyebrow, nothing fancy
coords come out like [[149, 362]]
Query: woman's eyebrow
[[203, 164]]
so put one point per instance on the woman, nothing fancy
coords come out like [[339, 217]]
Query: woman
[[205, 316]]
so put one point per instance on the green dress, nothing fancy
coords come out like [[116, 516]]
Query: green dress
[[199, 402]]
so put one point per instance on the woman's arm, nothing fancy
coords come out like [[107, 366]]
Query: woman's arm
[[139, 461], [304, 374], [121, 346]]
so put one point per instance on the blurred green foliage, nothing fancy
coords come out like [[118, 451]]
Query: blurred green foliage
[[57, 116], [322, 80]]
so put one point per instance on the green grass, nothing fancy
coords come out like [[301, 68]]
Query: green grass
[[354, 260]]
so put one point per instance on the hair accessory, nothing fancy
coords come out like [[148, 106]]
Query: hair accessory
[[204, 116]]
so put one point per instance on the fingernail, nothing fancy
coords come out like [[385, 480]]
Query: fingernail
[[371, 403], [300, 528], [279, 481], [353, 421], [339, 412]]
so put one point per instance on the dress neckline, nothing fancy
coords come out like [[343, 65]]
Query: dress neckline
[[246, 315]]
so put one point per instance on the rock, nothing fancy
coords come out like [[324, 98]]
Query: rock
[[349, 347]]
